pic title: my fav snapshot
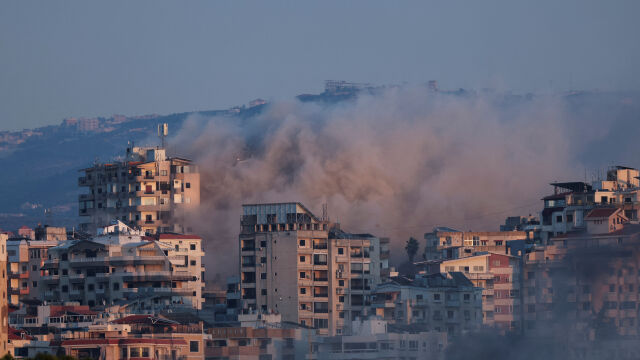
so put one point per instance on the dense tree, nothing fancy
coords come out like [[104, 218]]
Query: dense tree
[[412, 248]]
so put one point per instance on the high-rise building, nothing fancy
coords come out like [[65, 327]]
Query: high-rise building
[[148, 190], [305, 268]]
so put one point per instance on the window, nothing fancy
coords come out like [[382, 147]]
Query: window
[[302, 242], [263, 276], [192, 246], [320, 323], [302, 275], [303, 291], [193, 263], [35, 284], [263, 244], [301, 259], [340, 282], [340, 251], [263, 291], [116, 286], [187, 185], [436, 297], [34, 268], [559, 218], [194, 346], [263, 260]]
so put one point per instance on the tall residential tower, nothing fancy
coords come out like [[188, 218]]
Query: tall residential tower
[[148, 190]]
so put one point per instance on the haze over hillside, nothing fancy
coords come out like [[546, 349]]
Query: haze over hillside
[[44, 162]]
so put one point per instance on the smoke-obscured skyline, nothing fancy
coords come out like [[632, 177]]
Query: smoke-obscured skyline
[[393, 164], [97, 59]]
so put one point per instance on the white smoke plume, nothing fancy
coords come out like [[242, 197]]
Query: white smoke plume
[[393, 164]]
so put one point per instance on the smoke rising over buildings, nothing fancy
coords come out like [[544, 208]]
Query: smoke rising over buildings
[[394, 163]]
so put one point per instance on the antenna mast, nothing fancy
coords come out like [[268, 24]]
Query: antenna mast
[[163, 131]]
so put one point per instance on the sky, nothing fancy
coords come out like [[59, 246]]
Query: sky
[[89, 58]]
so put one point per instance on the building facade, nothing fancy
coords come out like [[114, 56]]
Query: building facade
[[305, 268], [149, 190], [124, 267], [447, 243], [500, 277], [446, 302], [24, 268], [4, 300]]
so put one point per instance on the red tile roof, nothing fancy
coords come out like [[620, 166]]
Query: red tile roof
[[601, 213], [15, 334], [57, 310]]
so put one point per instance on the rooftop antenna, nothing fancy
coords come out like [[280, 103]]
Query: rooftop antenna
[[325, 212], [163, 131]]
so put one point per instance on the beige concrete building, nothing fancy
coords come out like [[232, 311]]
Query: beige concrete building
[[148, 190], [24, 268], [305, 268], [123, 267], [446, 302], [499, 276], [447, 243], [4, 308]]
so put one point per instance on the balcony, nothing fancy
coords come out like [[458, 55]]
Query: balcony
[[76, 277], [83, 197], [51, 278], [84, 181]]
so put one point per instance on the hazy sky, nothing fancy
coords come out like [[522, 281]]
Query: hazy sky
[[86, 58]]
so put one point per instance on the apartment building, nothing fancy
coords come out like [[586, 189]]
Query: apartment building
[[447, 243], [499, 276], [585, 280], [565, 209], [25, 261], [4, 308], [375, 339], [305, 268], [121, 266], [148, 190], [446, 302]]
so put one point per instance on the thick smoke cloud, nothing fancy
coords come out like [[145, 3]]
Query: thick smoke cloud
[[393, 164]]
